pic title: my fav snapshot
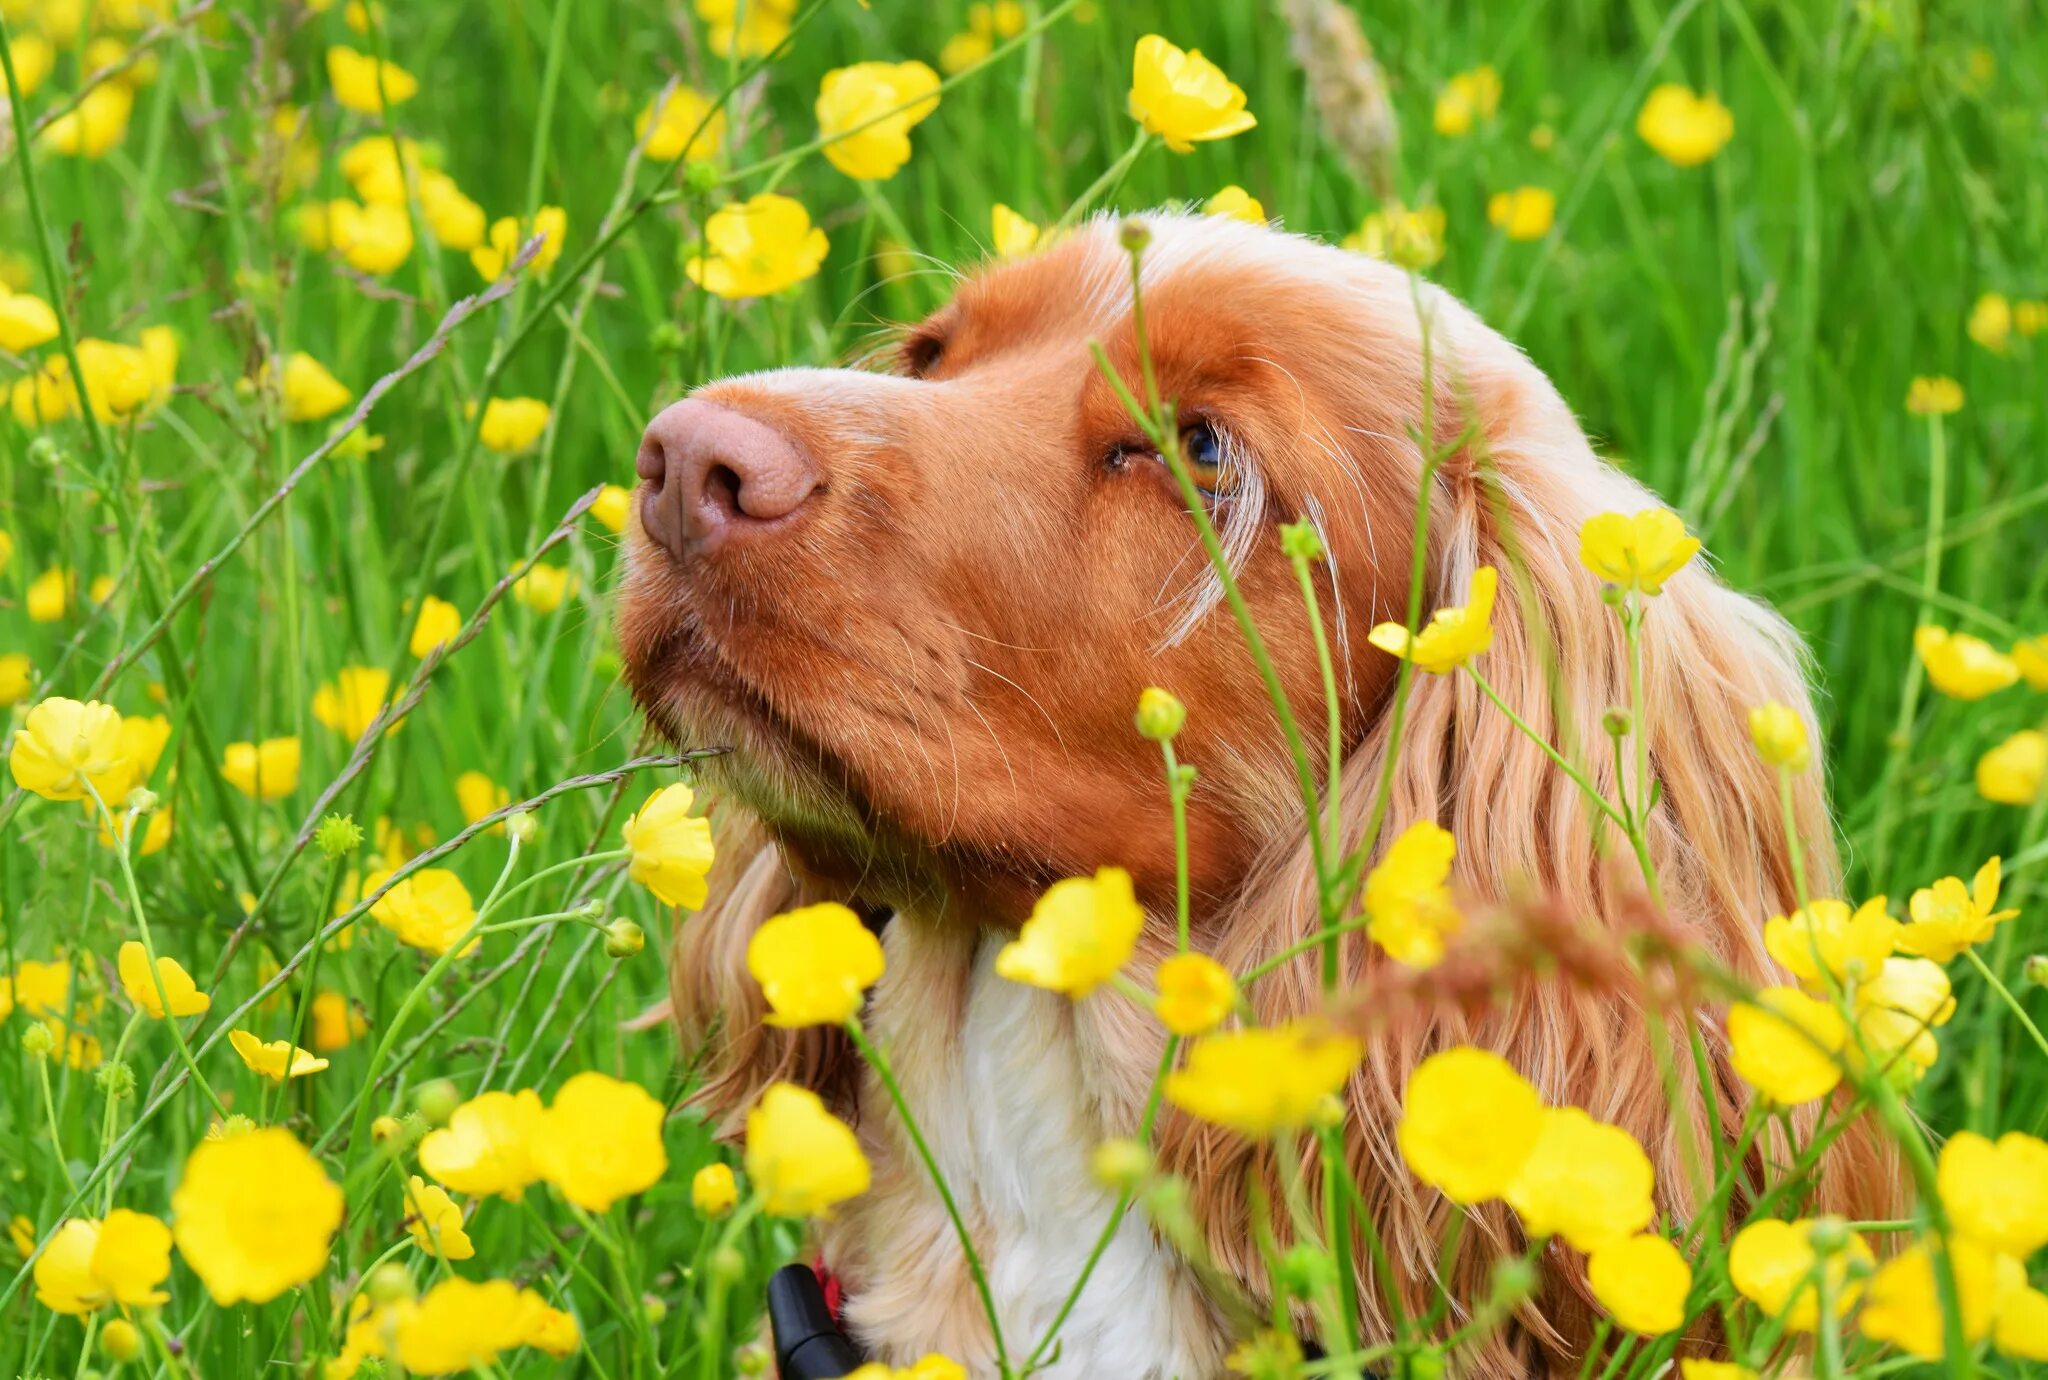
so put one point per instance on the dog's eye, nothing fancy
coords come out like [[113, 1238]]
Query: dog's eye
[[1207, 463]]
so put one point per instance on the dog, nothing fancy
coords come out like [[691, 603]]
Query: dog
[[920, 601]]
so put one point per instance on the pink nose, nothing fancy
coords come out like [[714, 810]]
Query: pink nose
[[714, 475]]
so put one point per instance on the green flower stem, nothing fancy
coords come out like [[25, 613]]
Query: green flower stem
[[1798, 855], [1332, 779], [2005, 994], [1177, 797], [1112, 176], [1295, 950], [1592, 792], [713, 1314], [42, 1063], [880, 1065], [1901, 745], [111, 1118]]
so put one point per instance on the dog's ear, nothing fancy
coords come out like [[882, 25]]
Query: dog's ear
[[716, 1003]]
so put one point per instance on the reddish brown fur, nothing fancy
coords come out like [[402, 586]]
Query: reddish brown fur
[[929, 684]]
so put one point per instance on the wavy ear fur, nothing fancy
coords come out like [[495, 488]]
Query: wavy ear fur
[[1524, 834]]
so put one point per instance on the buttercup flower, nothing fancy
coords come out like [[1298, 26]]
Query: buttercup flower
[[2030, 655], [745, 28], [854, 104], [1897, 1013], [477, 795], [600, 1141], [1996, 1193], [757, 247], [268, 770], [1779, 734], [803, 1159], [1961, 666], [1683, 126], [459, 1326], [684, 125], [437, 624], [1195, 993], [96, 127], [1639, 551], [1453, 636], [1771, 1264], [1584, 1180], [1785, 1045], [185, 997], [487, 1146], [453, 219], [33, 56], [1948, 918], [1183, 97], [713, 1191], [672, 848], [1468, 1123], [17, 679], [508, 236], [612, 506], [25, 322], [1827, 937], [1990, 323], [434, 1221], [374, 239], [143, 737], [1642, 1282], [2011, 773], [277, 1060], [89, 1264], [1260, 1081], [336, 1022], [430, 910], [50, 594], [253, 1215], [813, 964], [511, 425], [545, 588], [309, 392], [1082, 930], [1934, 396], [1466, 99], [1410, 237], [1903, 1304], [363, 84], [351, 702], [1235, 203], [1010, 234], [65, 750], [1526, 213], [1406, 897]]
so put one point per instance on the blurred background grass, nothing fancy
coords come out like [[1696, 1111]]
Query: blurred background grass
[[1740, 335]]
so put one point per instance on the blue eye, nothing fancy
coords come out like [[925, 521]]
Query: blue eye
[[1206, 461]]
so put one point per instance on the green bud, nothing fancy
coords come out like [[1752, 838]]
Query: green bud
[[116, 1080], [121, 1340], [753, 1359], [1617, 722], [727, 1266], [1160, 715], [338, 836], [1514, 1280], [44, 451], [38, 1040], [522, 828], [142, 800], [1828, 1235], [1301, 541], [437, 1101], [1120, 1164], [389, 1283], [700, 176], [1306, 1272], [1328, 1113], [653, 1309], [2035, 969], [1135, 235], [667, 338], [623, 939]]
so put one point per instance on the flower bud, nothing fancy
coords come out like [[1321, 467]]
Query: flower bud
[[390, 1282], [1614, 596], [1305, 1272], [623, 939], [387, 1131], [1828, 1235], [338, 836], [116, 1080], [121, 1340], [1617, 722], [234, 1125], [2035, 969], [522, 828], [1160, 715], [437, 1101], [753, 1359], [1120, 1164], [727, 1266], [1134, 235], [1514, 1280], [142, 800], [700, 176], [1328, 1113], [45, 451], [713, 1190], [38, 1040], [653, 1309], [1780, 736], [666, 338], [1301, 541]]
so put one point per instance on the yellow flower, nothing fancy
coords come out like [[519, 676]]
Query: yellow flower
[[1785, 1045], [546, 1328], [814, 964], [1468, 1123], [309, 392], [65, 750], [336, 1022], [17, 679], [1826, 937], [1526, 213], [2011, 773], [745, 28], [96, 127], [803, 1159], [854, 103], [430, 910], [1261, 1081], [508, 236], [963, 50], [253, 1215], [1779, 734], [50, 594], [437, 624], [930, 1366], [1642, 1282], [453, 218], [1897, 1012], [459, 1326], [2021, 1328], [487, 1146], [757, 247], [1195, 993], [277, 1060], [25, 322], [1996, 1194], [1638, 552], [1081, 931], [1012, 235], [1411, 909], [351, 702], [684, 125], [374, 239], [545, 588], [185, 997], [1183, 97], [1584, 1180], [1771, 1264], [1990, 323], [376, 167], [434, 1221], [600, 1141], [2030, 654], [363, 84], [713, 1190], [1454, 635], [267, 771], [1903, 1304], [2030, 318], [612, 507], [1235, 203], [1948, 918], [477, 795], [89, 1264], [1961, 666], [1412, 238], [1684, 127], [33, 56], [512, 424], [43, 989], [672, 849], [143, 737], [1466, 99], [1934, 395]]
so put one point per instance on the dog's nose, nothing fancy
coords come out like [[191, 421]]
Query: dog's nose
[[715, 475]]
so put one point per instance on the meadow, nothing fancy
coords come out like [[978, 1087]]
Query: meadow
[[372, 304]]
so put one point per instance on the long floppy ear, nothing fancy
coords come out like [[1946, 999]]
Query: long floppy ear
[[716, 1004], [1526, 840]]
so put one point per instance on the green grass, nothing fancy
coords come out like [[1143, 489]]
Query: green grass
[[1874, 188]]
